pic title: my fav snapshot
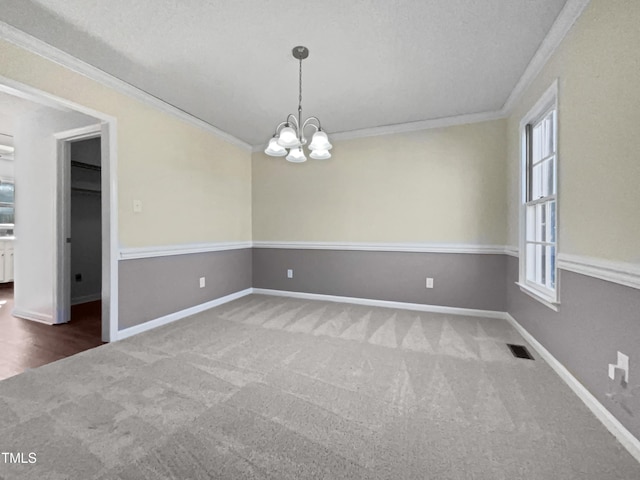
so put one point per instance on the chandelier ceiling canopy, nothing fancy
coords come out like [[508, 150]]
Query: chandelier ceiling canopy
[[289, 137]]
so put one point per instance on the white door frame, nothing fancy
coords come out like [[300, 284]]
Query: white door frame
[[107, 130], [62, 260]]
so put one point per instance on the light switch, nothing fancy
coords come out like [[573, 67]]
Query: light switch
[[137, 206]]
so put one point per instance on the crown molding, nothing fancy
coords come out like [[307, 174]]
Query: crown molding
[[558, 31], [51, 53], [563, 23], [410, 126], [419, 125]]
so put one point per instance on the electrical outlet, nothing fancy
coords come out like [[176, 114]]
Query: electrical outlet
[[137, 206], [429, 282], [622, 365], [290, 273], [202, 282], [78, 277]]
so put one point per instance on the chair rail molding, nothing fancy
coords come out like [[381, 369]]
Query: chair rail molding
[[623, 273], [180, 249], [385, 247]]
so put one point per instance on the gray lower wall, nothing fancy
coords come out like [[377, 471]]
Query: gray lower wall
[[150, 288], [596, 319], [460, 280]]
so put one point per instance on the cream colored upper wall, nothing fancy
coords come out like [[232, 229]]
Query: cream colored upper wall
[[598, 67], [442, 185], [195, 187]]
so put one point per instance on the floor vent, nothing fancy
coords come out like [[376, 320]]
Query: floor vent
[[520, 351]]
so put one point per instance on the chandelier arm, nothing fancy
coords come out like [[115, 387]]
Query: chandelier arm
[[282, 124], [308, 120], [291, 118]]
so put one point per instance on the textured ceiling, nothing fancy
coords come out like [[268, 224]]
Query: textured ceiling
[[372, 62]]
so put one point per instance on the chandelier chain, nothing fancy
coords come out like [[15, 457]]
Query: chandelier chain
[[300, 87]]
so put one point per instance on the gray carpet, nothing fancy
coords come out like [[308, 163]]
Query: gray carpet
[[266, 387]]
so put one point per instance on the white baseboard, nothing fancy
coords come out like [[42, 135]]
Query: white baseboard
[[86, 298], [624, 436], [128, 332], [33, 316], [383, 303]]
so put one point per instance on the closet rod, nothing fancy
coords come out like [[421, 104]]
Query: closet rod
[[85, 190], [86, 166]]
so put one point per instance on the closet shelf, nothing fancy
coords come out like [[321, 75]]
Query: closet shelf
[[86, 166]]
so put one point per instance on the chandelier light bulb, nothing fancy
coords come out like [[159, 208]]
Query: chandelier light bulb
[[320, 154], [296, 155], [288, 138], [274, 149], [320, 141]]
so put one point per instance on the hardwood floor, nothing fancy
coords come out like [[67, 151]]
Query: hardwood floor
[[25, 344]]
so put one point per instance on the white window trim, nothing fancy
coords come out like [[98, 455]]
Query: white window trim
[[548, 100]]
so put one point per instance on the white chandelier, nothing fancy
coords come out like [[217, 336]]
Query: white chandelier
[[289, 137]]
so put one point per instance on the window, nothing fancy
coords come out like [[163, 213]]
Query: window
[[6, 208], [538, 242]]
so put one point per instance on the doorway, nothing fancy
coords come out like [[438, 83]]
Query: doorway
[[30, 158], [86, 215], [103, 130], [82, 222], [85, 222], [79, 215]]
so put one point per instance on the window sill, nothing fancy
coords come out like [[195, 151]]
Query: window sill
[[552, 303]]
